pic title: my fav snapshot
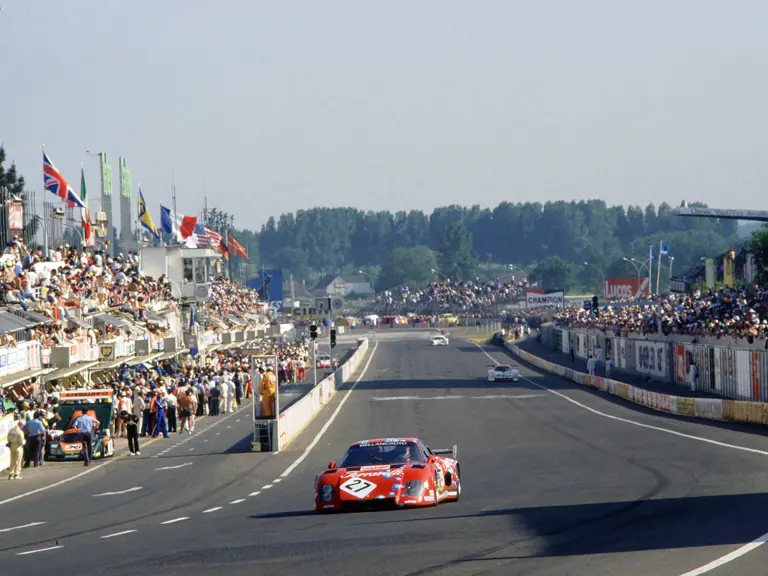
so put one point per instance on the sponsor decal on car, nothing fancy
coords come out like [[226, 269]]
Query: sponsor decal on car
[[358, 487], [429, 498], [377, 467], [72, 447]]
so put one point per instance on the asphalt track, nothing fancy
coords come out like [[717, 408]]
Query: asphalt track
[[556, 480]]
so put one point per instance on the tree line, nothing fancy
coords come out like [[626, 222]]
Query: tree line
[[553, 241]]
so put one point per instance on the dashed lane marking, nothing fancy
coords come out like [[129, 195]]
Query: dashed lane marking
[[174, 467], [39, 550], [20, 527], [458, 397], [134, 489], [123, 533], [211, 510], [175, 520], [327, 425], [237, 501], [266, 487], [276, 480], [255, 493]]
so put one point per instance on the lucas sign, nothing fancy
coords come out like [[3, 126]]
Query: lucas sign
[[534, 300], [626, 288]]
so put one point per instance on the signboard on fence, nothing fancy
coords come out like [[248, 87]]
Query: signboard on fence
[[650, 358], [626, 288], [535, 300]]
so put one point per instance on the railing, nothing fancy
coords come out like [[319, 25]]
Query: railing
[[726, 370]]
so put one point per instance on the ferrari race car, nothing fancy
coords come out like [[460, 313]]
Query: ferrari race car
[[388, 473], [503, 373], [64, 442], [325, 362], [439, 340]]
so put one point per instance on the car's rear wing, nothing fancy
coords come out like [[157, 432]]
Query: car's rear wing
[[452, 451]]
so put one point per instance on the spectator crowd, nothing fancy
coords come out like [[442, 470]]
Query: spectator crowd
[[448, 296], [731, 312]]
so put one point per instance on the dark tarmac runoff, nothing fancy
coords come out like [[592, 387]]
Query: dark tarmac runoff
[[557, 480]]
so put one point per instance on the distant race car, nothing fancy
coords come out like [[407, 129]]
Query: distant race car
[[388, 473], [503, 373], [439, 340], [325, 362]]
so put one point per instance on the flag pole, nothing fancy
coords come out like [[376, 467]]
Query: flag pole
[[658, 269], [650, 270], [42, 220], [174, 224]]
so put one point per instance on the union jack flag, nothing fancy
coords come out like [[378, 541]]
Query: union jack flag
[[55, 183]]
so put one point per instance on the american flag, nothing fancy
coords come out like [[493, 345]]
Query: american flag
[[207, 237]]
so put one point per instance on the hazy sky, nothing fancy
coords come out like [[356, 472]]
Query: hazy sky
[[277, 106]]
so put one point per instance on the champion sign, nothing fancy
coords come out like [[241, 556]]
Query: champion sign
[[626, 288], [533, 300]]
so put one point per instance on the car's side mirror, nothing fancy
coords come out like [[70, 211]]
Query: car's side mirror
[[332, 465], [432, 459]]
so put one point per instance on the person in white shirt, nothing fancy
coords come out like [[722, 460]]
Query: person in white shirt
[[230, 385], [692, 373], [591, 366], [224, 402], [608, 366]]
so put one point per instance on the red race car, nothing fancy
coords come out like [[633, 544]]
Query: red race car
[[388, 473]]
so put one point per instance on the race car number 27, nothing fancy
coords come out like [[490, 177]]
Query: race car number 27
[[359, 487]]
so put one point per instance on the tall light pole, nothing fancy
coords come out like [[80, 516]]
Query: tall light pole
[[440, 274], [602, 276]]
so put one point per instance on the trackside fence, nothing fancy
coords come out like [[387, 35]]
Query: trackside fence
[[731, 369]]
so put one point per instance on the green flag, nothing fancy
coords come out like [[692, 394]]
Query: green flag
[[83, 194]]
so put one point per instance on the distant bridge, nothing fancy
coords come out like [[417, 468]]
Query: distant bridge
[[756, 215]]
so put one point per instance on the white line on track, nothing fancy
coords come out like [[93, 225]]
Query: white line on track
[[255, 493], [174, 467], [175, 520], [211, 510], [23, 526], [327, 425], [123, 533], [237, 501], [191, 449], [430, 398], [266, 487], [715, 563], [39, 550], [277, 480], [134, 489]]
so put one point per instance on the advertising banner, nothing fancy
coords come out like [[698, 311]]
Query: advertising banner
[[626, 288], [534, 300], [650, 358], [269, 284]]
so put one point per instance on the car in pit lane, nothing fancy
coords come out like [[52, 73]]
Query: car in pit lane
[[324, 361], [389, 473], [503, 373], [64, 442], [439, 340]]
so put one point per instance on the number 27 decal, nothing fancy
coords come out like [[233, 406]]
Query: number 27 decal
[[358, 487]]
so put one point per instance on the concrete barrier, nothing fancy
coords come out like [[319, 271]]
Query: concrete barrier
[[707, 408], [301, 413]]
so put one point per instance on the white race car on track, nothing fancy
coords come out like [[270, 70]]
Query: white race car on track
[[503, 373], [439, 340]]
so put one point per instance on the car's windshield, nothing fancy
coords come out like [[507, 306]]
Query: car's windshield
[[374, 453], [503, 368]]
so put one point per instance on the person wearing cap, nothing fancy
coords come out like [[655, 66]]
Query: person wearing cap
[[35, 431], [16, 444]]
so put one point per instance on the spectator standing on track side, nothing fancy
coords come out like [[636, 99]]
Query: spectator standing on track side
[[693, 372], [138, 406], [223, 395], [238, 382], [215, 399], [132, 428], [187, 406], [591, 365], [160, 406], [573, 352], [172, 402], [16, 444], [86, 425], [34, 430], [608, 366]]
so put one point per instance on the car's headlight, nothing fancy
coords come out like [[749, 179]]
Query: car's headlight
[[413, 488], [326, 493], [53, 445]]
